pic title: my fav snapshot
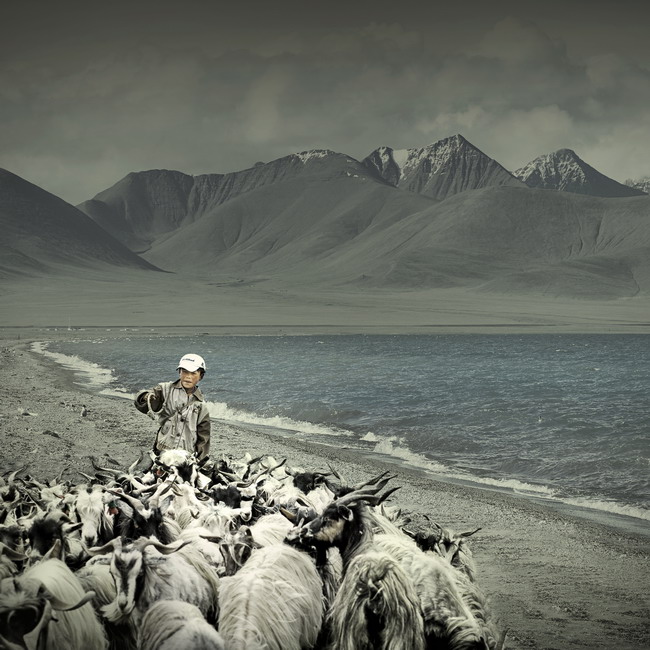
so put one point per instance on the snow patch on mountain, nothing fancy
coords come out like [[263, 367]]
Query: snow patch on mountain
[[314, 154], [400, 156], [642, 184]]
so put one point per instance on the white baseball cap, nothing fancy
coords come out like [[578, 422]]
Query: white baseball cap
[[191, 362]]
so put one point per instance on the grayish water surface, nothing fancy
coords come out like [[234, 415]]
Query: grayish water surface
[[558, 417]]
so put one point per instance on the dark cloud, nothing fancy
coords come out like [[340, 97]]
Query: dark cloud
[[89, 92]]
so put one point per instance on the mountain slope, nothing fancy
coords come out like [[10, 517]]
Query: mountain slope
[[508, 239], [565, 170], [440, 170], [286, 228], [144, 206], [41, 232]]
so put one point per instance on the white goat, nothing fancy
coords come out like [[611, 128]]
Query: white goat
[[454, 613], [146, 571], [176, 625], [274, 602], [449, 609], [47, 608], [89, 507], [376, 607]]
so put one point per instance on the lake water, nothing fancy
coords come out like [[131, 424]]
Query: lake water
[[563, 418]]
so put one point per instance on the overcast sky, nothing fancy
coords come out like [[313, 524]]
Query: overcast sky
[[92, 91]]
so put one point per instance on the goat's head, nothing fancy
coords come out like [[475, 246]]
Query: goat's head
[[448, 544], [343, 522], [128, 562], [91, 510], [147, 518], [177, 462], [307, 481], [235, 547], [46, 529], [12, 537], [228, 495]]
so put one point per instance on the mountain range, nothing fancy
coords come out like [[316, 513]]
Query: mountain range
[[446, 216]]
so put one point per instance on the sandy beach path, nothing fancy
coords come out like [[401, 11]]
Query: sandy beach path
[[554, 581]]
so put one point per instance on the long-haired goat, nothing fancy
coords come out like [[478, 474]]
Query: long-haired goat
[[46, 608], [145, 571], [176, 625], [452, 614], [376, 607], [452, 608], [274, 602]]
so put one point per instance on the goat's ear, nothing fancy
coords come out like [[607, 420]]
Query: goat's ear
[[345, 513], [56, 552]]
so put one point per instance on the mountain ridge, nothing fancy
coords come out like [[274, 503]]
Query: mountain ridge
[[145, 205], [443, 168], [564, 170]]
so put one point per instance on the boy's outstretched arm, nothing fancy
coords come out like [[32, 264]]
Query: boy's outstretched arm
[[142, 401]]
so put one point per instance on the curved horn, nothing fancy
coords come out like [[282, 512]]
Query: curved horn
[[110, 470], [132, 466], [10, 553], [334, 472], [367, 493], [61, 606], [371, 481], [166, 549], [369, 496], [113, 545], [136, 504], [163, 488], [12, 476], [269, 470]]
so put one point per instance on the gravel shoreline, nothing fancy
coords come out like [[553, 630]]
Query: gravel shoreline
[[553, 580]]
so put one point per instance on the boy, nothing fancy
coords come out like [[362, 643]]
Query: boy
[[180, 408]]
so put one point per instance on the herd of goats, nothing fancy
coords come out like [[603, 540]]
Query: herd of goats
[[240, 554]]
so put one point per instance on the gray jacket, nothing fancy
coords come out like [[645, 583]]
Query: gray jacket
[[184, 419]]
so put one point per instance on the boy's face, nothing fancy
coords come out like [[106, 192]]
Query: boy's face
[[189, 380]]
